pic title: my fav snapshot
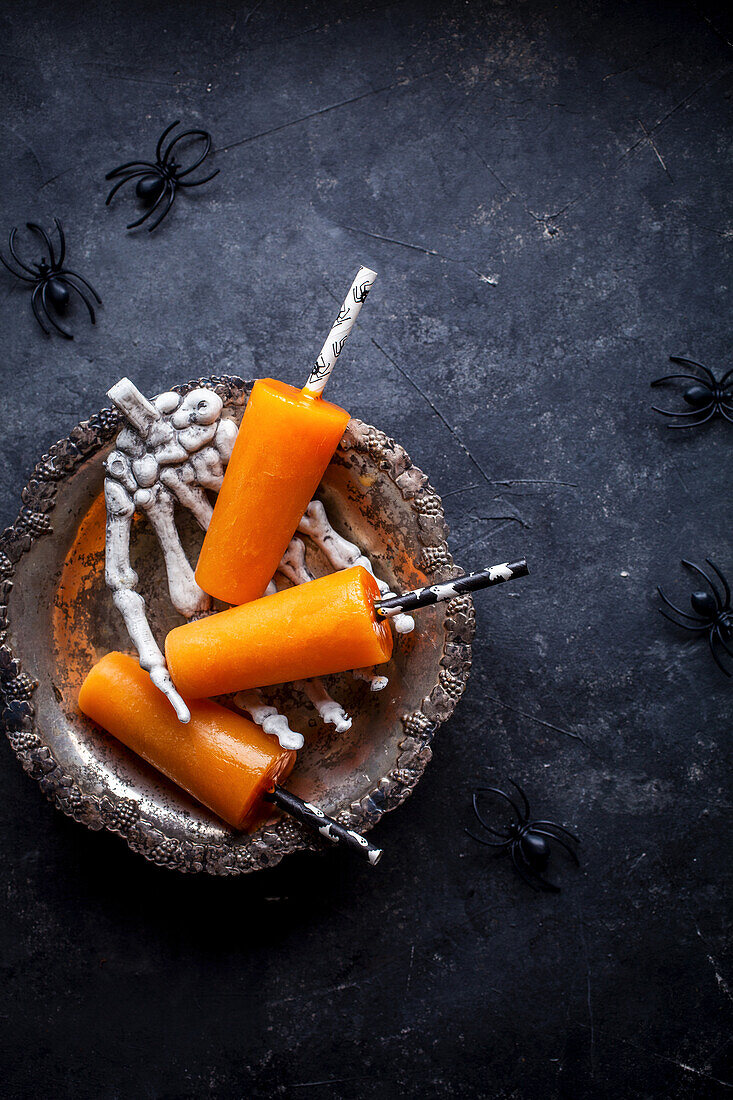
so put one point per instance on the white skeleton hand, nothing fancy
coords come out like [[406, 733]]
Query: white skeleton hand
[[175, 449]]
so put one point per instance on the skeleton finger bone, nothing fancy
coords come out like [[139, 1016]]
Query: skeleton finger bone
[[269, 718], [375, 681], [131, 606], [329, 710], [190, 496], [343, 554], [293, 564], [186, 596]]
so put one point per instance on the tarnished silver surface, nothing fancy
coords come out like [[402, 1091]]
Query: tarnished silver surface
[[56, 619]]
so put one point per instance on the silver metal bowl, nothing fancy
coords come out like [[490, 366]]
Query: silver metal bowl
[[56, 619]]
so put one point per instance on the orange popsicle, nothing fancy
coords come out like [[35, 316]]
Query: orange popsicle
[[327, 625], [283, 447], [221, 758]]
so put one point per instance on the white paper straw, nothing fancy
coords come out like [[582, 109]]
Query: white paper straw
[[340, 330]]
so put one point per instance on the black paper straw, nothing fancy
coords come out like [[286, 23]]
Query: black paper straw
[[435, 593], [314, 818]]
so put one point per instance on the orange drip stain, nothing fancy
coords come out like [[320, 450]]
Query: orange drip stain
[[77, 602]]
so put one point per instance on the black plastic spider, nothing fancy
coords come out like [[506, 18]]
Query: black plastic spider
[[51, 280], [162, 179], [527, 841], [713, 612], [707, 397]]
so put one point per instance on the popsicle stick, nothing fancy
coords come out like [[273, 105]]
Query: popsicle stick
[[436, 593], [314, 818], [340, 331]]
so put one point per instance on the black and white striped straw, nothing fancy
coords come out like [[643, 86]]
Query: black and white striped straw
[[314, 818], [436, 593]]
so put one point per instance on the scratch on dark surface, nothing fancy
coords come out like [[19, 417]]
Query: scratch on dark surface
[[589, 1000], [474, 461], [325, 1081], [724, 234], [57, 176], [490, 279], [715, 30], [513, 194], [252, 11], [484, 538], [659, 156], [392, 240], [404, 82], [547, 219], [682, 482], [636, 863], [21, 139], [512, 517], [340, 22], [534, 718], [661, 1057], [534, 481], [720, 980], [409, 971], [464, 489]]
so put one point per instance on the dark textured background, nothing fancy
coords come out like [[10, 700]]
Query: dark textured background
[[542, 188]]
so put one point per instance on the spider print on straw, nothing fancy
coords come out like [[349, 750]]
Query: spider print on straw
[[50, 279]]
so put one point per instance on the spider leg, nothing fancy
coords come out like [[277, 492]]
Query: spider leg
[[695, 423], [505, 836], [158, 148], [504, 795], [722, 411], [16, 257], [684, 614], [488, 843], [83, 297], [560, 841], [25, 278], [667, 377], [695, 412], [156, 204], [703, 574], [46, 240], [711, 642], [721, 639], [200, 160], [168, 205], [131, 164], [120, 183], [560, 827], [81, 279], [523, 797], [682, 626], [63, 332], [522, 872], [197, 183], [62, 242], [681, 362], [723, 581], [36, 311]]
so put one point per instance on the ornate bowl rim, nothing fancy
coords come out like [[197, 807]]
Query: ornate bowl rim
[[270, 845]]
